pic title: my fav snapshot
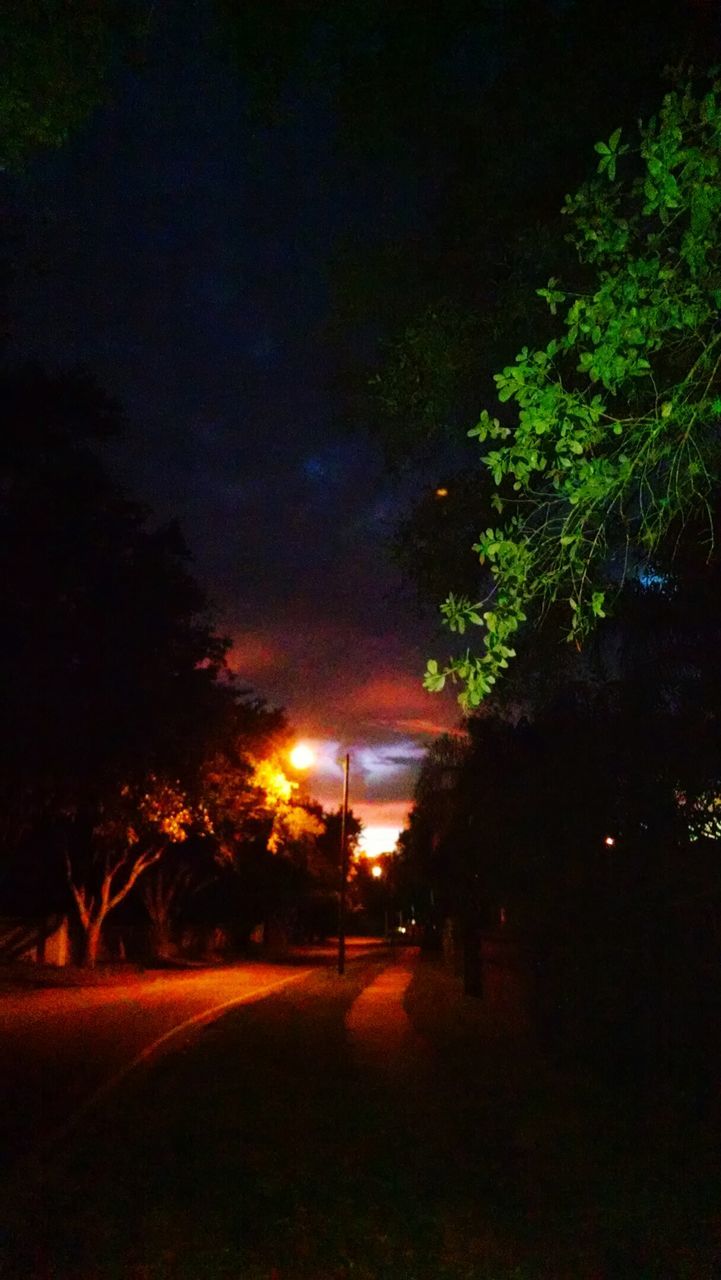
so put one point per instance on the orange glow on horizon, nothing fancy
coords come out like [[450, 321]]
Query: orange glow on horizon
[[377, 840]]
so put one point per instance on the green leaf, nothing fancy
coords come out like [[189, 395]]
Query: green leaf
[[646, 341], [433, 683]]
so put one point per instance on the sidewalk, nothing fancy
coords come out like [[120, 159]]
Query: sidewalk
[[379, 1029]]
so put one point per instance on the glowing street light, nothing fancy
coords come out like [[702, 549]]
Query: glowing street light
[[610, 841], [376, 872], [302, 756]]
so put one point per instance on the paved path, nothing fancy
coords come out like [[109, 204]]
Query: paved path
[[377, 1023]]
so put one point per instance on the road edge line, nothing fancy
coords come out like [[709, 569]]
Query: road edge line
[[66, 1130]]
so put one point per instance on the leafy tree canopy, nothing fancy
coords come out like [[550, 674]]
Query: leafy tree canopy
[[110, 662], [56, 59], [612, 446], [489, 122]]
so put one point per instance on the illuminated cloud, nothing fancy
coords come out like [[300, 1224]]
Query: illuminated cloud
[[398, 702], [372, 763], [347, 690], [387, 696], [382, 824], [376, 840], [334, 679], [384, 813], [253, 656], [383, 760], [429, 728]]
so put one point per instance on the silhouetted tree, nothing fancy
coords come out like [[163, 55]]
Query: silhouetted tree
[[113, 689], [591, 823], [58, 57]]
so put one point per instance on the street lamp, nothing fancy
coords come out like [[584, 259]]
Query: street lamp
[[303, 757], [343, 865]]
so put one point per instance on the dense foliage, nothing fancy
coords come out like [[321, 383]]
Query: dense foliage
[[126, 741], [585, 833], [615, 443], [57, 60]]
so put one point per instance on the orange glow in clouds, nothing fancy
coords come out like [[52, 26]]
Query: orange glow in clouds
[[254, 656], [377, 840]]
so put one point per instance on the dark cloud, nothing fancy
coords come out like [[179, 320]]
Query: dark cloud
[[183, 257]]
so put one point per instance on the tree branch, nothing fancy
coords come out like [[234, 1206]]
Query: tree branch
[[78, 894], [141, 864]]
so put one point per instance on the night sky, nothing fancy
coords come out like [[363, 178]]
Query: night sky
[[182, 253]]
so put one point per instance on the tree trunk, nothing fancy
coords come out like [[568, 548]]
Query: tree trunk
[[92, 942], [472, 959], [161, 937], [160, 891], [92, 909]]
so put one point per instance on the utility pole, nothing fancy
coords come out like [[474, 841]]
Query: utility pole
[[343, 865]]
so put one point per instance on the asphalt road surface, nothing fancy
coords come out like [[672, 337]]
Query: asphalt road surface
[[376, 1126], [60, 1046]]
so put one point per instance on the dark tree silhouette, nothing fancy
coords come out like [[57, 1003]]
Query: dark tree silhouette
[[112, 695]]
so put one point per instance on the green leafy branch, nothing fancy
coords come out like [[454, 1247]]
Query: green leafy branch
[[616, 431]]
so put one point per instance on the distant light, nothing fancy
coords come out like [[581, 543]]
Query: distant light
[[401, 928], [610, 841], [302, 756], [375, 841], [376, 872], [650, 578], [442, 492]]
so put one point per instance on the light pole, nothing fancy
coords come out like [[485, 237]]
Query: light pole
[[302, 757], [343, 865]]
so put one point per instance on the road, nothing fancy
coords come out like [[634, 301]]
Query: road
[[60, 1046], [375, 1126]]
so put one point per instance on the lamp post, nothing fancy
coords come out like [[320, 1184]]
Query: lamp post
[[302, 757], [343, 865]]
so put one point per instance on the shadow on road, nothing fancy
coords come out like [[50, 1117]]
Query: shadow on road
[[271, 1149]]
